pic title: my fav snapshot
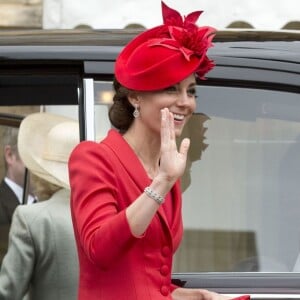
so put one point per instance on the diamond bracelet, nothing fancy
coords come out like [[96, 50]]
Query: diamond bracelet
[[153, 195]]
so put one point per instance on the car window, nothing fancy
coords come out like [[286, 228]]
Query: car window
[[241, 199], [241, 182], [15, 171]]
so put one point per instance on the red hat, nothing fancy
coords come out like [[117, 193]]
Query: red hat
[[165, 55]]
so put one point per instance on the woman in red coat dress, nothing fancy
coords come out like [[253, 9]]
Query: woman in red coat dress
[[126, 197]]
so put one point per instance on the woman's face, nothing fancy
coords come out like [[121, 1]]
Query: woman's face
[[180, 99]]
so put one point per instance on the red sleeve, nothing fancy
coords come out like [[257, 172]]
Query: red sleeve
[[102, 229]]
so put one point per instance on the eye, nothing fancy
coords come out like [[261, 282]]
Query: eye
[[192, 92]]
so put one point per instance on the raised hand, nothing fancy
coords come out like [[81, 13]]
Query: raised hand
[[172, 161]]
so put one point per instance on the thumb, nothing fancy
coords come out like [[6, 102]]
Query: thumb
[[184, 147]]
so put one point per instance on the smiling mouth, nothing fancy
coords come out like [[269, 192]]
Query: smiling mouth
[[178, 117]]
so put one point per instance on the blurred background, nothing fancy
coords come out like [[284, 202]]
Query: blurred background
[[101, 14]]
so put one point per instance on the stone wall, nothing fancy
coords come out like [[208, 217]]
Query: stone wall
[[261, 15], [65, 14], [20, 14]]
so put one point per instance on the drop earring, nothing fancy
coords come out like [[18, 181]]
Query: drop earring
[[136, 112]]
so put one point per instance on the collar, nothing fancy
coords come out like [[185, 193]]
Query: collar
[[18, 190]]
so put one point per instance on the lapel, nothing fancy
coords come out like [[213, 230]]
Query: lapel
[[8, 198], [128, 159]]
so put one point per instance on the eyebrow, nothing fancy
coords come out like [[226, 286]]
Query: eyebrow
[[192, 84]]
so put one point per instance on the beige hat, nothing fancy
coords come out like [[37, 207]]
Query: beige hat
[[45, 142]]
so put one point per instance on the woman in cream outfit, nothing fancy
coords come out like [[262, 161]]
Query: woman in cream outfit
[[42, 257]]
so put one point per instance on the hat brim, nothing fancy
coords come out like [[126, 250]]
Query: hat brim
[[142, 67], [31, 149]]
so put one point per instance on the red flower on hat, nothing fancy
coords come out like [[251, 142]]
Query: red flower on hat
[[172, 17], [188, 38]]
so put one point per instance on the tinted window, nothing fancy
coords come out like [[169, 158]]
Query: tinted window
[[241, 184], [241, 200]]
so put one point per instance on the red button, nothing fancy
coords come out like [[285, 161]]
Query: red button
[[164, 290], [165, 251], [164, 270]]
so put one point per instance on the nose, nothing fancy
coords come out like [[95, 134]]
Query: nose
[[184, 99]]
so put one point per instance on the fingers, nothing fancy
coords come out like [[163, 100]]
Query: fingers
[[184, 147], [171, 126], [167, 126], [163, 132], [172, 161]]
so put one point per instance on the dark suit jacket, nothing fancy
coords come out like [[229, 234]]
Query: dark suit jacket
[[8, 203]]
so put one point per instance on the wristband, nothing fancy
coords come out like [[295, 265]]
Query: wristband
[[153, 195]]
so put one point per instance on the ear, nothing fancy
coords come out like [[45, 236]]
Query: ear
[[133, 98], [8, 154]]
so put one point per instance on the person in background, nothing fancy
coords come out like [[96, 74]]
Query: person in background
[[125, 190], [11, 186], [42, 259]]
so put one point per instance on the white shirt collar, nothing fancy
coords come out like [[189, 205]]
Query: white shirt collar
[[18, 190]]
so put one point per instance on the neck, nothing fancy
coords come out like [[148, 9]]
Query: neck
[[147, 149]]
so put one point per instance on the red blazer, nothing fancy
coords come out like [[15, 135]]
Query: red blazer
[[105, 178]]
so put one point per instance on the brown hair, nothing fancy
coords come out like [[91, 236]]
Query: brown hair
[[41, 188], [121, 112]]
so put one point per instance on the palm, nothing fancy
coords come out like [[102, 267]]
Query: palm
[[172, 161]]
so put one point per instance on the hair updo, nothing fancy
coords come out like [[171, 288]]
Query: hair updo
[[121, 112]]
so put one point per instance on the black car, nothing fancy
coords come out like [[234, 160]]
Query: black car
[[241, 189]]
